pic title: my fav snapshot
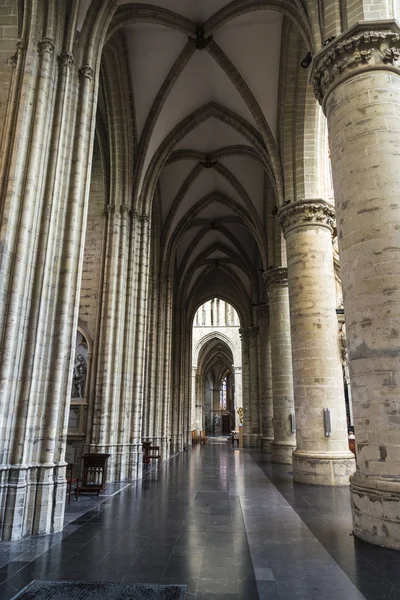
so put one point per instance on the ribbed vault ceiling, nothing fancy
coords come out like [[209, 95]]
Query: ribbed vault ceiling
[[205, 88], [215, 359]]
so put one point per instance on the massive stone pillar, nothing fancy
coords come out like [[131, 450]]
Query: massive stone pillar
[[321, 457], [357, 80], [265, 379], [281, 361]]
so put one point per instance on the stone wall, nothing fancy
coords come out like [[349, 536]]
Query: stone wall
[[93, 255], [8, 39]]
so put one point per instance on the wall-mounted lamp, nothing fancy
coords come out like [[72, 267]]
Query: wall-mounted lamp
[[329, 40], [327, 422], [306, 62], [292, 419]]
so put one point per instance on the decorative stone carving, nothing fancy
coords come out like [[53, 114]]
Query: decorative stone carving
[[208, 163], [45, 45], [109, 210], [66, 60], [86, 72], [253, 331], [124, 209], [365, 46], [343, 345], [276, 277], [247, 332], [14, 59], [243, 332], [140, 217], [304, 213], [20, 45], [262, 311], [200, 41]]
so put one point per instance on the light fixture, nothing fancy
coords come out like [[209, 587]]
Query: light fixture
[[329, 40], [292, 419], [327, 422], [305, 63]]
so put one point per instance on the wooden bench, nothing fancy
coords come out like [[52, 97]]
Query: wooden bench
[[150, 453]]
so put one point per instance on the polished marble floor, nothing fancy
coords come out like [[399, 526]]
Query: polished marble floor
[[226, 523]]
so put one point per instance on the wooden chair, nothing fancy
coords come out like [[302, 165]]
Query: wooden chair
[[150, 452], [70, 481]]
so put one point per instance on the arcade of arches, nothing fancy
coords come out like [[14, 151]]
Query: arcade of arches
[[156, 157]]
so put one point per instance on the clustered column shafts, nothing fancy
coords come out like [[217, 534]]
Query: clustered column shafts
[[44, 217], [361, 99], [265, 379], [281, 359], [317, 368], [246, 385], [250, 387]]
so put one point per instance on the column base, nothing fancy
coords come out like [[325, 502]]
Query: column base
[[376, 508], [125, 462], [163, 443], [323, 468], [251, 440], [32, 500], [282, 452], [266, 444], [176, 443]]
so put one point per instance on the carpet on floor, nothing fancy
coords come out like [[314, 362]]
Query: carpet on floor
[[84, 590]]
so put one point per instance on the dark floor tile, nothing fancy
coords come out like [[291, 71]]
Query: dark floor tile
[[215, 595], [223, 529]]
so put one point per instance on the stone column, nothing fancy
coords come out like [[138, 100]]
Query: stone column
[[243, 332], [238, 394], [281, 359], [319, 458], [264, 378], [253, 333], [251, 422], [357, 80], [194, 414]]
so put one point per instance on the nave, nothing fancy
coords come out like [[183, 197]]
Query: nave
[[227, 523]]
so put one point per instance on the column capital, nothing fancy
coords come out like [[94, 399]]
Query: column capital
[[46, 45], [124, 209], [306, 213], [276, 277], [86, 72], [262, 311], [109, 210], [137, 216], [20, 48], [66, 60], [367, 45], [248, 332]]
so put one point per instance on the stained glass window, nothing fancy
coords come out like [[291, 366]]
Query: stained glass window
[[222, 396]]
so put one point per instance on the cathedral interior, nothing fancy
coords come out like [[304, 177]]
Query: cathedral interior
[[200, 296]]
